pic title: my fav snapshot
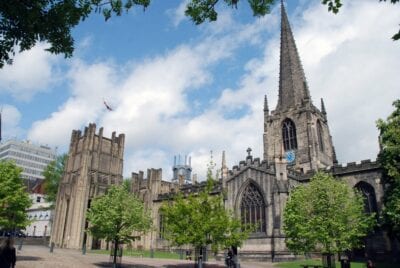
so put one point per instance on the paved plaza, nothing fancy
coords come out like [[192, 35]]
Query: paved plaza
[[39, 256]]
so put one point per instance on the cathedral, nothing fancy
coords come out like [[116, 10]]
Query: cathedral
[[296, 143]]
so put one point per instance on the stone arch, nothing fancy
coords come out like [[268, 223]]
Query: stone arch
[[289, 136], [368, 192], [251, 206]]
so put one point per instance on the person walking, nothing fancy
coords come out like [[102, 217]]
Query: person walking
[[7, 254]]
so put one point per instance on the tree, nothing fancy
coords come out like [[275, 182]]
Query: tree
[[325, 215], [200, 219], [389, 158], [334, 6], [25, 22], [52, 176], [14, 200], [116, 215]]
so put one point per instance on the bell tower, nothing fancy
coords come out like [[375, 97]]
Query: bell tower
[[296, 129]]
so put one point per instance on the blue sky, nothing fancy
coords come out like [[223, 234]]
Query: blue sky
[[178, 88]]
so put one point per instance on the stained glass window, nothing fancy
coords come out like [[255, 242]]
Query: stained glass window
[[252, 208]]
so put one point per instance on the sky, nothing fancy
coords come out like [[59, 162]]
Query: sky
[[178, 88]]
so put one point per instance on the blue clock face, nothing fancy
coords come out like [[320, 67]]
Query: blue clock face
[[290, 156]]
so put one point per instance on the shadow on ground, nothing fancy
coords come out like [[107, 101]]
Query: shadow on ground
[[28, 258], [184, 265], [109, 264]]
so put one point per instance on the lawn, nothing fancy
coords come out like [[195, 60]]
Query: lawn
[[298, 263], [141, 253]]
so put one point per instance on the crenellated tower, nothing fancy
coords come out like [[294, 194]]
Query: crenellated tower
[[296, 129], [94, 163]]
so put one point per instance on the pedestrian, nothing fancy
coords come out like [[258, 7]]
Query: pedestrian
[[370, 264], [7, 254]]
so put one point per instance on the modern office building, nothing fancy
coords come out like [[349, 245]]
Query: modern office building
[[32, 158]]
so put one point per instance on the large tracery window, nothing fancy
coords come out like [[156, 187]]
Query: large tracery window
[[368, 193], [289, 135], [252, 208], [320, 137]]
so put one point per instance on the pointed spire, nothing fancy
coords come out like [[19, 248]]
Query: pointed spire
[[293, 88], [266, 109], [323, 111]]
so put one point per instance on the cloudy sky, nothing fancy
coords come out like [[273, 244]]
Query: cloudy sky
[[176, 88]]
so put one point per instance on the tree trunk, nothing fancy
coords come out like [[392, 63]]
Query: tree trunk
[[115, 253]]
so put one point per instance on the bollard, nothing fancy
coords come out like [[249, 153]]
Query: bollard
[[51, 247], [200, 262], [20, 244], [181, 254]]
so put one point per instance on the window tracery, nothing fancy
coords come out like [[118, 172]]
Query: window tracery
[[289, 135], [252, 208], [368, 193]]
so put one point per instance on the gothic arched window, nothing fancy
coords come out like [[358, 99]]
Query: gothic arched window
[[320, 137], [368, 193], [289, 135], [252, 208]]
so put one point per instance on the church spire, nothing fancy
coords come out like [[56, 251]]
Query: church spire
[[293, 88]]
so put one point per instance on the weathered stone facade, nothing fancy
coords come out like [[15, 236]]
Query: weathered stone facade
[[297, 143], [94, 163]]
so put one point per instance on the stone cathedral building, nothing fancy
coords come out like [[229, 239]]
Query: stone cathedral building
[[297, 142]]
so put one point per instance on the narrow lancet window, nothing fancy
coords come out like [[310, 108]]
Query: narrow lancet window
[[320, 136], [289, 135]]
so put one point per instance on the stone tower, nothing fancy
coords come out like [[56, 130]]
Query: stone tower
[[94, 163], [296, 129]]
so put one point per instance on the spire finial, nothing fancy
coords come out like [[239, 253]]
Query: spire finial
[[293, 90], [266, 109], [323, 111]]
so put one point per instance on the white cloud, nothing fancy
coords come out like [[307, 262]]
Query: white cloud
[[32, 71], [10, 118], [177, 15], [348, 60]]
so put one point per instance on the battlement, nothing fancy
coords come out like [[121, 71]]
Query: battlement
[[250, 162], [350, 167], [90, 133]]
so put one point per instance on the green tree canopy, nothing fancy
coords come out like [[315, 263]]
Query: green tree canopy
[[116, 215], [325, 215], [24, 23], [14, 200], [200, 219], [389, 157], [52, 176]]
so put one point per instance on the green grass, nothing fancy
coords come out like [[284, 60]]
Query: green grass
[[141, 253], [298, 263]]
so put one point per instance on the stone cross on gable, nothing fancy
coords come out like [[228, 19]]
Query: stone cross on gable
[[248, 151]]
